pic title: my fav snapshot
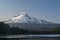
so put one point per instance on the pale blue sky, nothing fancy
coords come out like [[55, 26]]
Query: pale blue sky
[[44, 9]]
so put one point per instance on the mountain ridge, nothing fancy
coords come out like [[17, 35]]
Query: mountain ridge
[[25, 18], [27, 22]]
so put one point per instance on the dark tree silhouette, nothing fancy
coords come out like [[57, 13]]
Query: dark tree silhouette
[[4, 28]]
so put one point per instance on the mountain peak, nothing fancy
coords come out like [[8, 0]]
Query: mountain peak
[[25, 18], [18, 18]]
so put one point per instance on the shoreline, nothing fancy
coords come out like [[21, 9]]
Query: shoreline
[[29, 36]]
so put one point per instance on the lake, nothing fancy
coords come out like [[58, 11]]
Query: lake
[[42, 38], [31, 37]]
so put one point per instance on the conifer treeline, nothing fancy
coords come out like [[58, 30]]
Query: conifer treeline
[[5, 29]]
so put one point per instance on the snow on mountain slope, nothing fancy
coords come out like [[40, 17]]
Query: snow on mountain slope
[[25, 18], [27, 22]]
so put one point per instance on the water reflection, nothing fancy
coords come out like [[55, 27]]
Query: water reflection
[[45, 38]]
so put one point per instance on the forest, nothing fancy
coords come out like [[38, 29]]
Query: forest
[[5, 29]]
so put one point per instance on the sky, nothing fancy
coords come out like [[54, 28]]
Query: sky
[[42, 9]]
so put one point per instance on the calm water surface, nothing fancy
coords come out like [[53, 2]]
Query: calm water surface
[[32, 38]]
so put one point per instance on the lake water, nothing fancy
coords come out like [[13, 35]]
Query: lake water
[[31, 37]]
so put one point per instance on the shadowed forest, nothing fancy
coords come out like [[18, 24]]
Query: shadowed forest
[[5, 29]]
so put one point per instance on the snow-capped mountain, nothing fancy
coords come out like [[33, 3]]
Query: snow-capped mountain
[[25, 18], [27, 22]]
